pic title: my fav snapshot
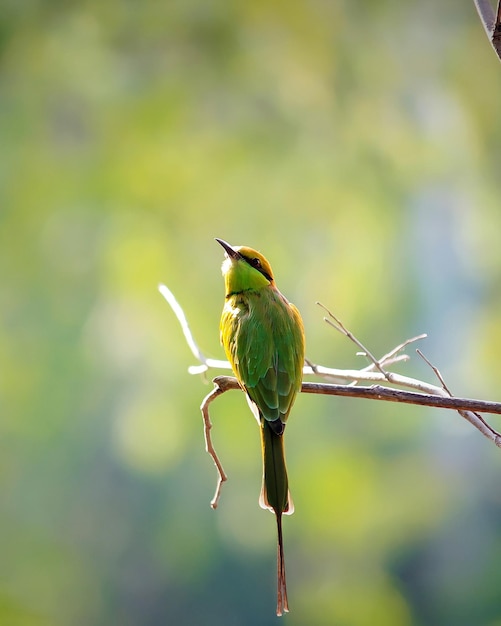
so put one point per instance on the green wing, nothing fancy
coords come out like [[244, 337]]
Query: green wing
[[263, 337]]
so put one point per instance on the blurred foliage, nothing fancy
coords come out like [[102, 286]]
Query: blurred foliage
[[357, 144]]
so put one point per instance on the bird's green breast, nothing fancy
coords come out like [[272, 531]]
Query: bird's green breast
[[263, 338]]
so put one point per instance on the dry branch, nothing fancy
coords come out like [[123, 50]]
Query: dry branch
[[378, 392], [423, 394]]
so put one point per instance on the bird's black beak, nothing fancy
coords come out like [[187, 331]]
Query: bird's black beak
[[233, 254]]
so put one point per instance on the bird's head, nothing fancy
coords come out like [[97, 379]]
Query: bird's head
[[245, 269]]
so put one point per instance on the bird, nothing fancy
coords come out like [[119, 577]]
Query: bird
[[262, 334]]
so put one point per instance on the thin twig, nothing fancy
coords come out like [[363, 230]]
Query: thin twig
[[204, 407], [436, 371], [471, 416], [339, 326], [393, 357]]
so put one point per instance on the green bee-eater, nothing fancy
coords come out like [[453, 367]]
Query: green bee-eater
[[263, 337]]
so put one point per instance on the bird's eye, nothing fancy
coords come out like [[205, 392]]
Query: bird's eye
[[256, 263]]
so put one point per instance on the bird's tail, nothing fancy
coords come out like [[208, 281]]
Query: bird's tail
[[275, 496]]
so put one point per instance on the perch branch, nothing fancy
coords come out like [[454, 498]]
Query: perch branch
[[378, 392], [464, 406], [423, 394]]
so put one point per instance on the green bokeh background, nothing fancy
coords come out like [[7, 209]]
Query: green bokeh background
[[357, 144]]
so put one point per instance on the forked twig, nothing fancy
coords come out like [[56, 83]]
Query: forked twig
[[333, 321], [393, 357]]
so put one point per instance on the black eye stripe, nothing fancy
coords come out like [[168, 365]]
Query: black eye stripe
[[256, 263]]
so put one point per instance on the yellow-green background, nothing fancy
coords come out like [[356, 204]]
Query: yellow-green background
[[358, 145]]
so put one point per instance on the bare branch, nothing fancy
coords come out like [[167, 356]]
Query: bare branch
[[377, 392], [428, 394]]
